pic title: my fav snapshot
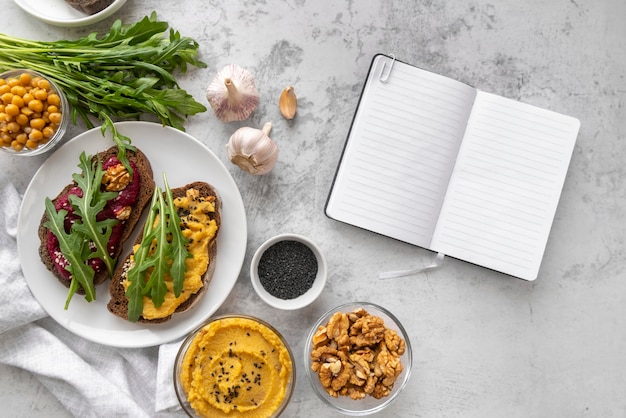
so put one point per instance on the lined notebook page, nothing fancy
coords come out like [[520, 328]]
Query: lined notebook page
[[506, 185], [400, 152]]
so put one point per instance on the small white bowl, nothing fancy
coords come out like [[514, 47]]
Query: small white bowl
[[304, 299]]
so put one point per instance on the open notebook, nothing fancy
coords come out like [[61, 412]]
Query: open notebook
[[439, 164]]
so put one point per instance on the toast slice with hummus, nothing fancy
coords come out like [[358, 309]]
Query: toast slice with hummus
[[133, 193], [199, 208]]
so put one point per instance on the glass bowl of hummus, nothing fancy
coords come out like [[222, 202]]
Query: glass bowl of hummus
[[234, 366], [358, 358], [34, 113]]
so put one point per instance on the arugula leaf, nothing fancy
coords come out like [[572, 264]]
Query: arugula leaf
[[73, 246], [162, 251], [159, 258], [136, 273], [90, 205], [179, 244]]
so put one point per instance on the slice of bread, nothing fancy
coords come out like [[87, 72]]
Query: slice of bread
[[118, 304], [144, 170], [90, 7]]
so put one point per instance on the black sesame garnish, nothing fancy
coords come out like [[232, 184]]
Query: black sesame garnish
[[287, 269]]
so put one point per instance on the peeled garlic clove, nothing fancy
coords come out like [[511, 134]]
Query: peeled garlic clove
[[288, 103], [232, 94], [253, 150]]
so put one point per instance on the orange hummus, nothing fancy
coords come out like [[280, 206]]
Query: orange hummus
[[236, 367]]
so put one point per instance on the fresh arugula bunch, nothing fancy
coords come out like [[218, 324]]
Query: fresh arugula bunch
[[125, 73], [163, 250], [88, 237]]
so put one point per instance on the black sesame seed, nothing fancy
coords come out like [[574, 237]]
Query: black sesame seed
[[287, 269]]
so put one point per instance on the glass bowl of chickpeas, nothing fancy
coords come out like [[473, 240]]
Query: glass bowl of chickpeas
[[34, 112]]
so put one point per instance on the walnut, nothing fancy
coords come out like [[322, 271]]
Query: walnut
[[389, 365], [123, 213], [324, 354], [361, 369], [394, 342], [380, 391], [337, 324], [370, 384], [356, 394], [367, 331], [355, 355], [366, 353], [333, 370], [356, 314], [320, 337], [116, 178]]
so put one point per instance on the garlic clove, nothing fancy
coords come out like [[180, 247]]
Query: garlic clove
[[253, 150], [232, 94], [288, 103]]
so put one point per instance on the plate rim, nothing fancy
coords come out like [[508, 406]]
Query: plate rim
[[81, 21], [150, 334]]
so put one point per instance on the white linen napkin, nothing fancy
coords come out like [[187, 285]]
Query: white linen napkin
[[89, 379]]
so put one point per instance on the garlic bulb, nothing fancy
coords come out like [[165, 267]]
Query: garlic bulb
[[233, 94], [253, 150], [288, 103]]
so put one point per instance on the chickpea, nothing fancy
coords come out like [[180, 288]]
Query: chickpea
[[6, 98], [35, 105], [13, 127], [43, 84], [55, 118], [22, 119], [22, 138], [48, 132], [18, 90], [12, 110], [25, 79], [41, 94], [35, 135], [16, 145], [37, 123], [17, 101]]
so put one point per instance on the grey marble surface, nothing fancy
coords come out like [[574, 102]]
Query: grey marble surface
[[484, 344]]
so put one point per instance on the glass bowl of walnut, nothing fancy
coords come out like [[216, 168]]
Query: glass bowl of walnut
[[358, 358]]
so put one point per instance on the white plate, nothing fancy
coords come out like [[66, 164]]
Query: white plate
[[59, 13], [183, 159]]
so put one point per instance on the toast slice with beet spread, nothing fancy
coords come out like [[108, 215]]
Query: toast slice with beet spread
[[201, 232], [133, 195]]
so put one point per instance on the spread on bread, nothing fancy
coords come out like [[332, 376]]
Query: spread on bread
[[145, 286], [83, 229]]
